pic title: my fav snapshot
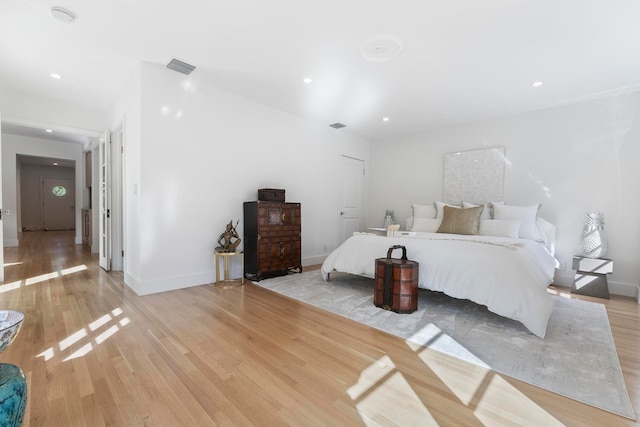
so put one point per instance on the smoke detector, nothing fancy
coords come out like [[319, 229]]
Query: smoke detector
[[62, 14], [381, 48]]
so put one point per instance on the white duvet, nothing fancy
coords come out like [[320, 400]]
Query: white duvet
[[509, 276]]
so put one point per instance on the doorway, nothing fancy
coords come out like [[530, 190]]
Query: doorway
[[351, 197], [58, 204]]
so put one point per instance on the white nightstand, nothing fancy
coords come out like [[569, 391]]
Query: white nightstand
[[591, 276], [378, 230]]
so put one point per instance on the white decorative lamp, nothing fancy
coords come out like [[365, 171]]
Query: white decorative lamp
[[593, 241]]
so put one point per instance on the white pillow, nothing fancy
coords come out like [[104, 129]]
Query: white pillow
[[547, 234], [491, 205], [499, 228], [430, 225], [440, 208], [527, 215], [423, 211], [486, 213]]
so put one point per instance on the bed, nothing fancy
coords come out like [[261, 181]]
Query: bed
[[508, 275]]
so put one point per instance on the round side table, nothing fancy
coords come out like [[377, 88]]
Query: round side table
[[226, 278]]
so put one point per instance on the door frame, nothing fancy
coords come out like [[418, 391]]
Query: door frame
[[80, 196], [364, 198], [117, 196]]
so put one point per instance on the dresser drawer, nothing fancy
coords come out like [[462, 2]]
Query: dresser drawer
[[276, 254], [278, 215], [282, 233], [593, 265]]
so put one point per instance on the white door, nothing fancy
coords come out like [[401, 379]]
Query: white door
[[117, 199], [58, 204], [104, 201], [1, 212], [350, 193]]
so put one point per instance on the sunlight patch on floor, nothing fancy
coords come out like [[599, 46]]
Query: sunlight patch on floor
[[82, 351], [11, 264], [384, 397], [90, 333], [72, 339], [475, 384], [462, 379], [10, 286], [41, 278], [54, 274], [559, 293], [501, 398], [432, 337]]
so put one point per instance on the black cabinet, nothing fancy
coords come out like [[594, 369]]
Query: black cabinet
[[272, 239]]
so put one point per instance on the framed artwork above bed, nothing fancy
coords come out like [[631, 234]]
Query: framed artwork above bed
[[475, 176]]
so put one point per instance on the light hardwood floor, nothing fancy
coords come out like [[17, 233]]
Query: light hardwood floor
[[94, 354]]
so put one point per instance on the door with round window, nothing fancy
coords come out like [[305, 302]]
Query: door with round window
[[58, 204]]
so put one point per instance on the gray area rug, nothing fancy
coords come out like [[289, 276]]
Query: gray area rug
[[576, 359]]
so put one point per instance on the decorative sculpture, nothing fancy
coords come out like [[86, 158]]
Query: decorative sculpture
[[229, 240], [593, 241], [389, 218]]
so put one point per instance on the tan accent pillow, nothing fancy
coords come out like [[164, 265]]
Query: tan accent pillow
[[461, 220]]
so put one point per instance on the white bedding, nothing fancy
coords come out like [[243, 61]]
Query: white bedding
[[509, 276]]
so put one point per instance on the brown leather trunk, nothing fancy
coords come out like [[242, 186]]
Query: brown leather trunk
[[396, 283], [271, 195]]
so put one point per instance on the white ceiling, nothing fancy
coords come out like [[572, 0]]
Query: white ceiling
[[45, 161], [35, 132], [463, 60]]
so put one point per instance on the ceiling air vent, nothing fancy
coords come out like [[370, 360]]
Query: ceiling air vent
[[338, 125], [181, 67]]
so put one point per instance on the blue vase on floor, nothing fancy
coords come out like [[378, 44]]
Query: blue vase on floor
[[13, 395]]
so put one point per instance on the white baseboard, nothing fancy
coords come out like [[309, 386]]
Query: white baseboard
[[313, 260], [132, 282], [11, 243], [169, 284]]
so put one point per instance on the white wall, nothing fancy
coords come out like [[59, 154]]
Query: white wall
[[202, 153], [573, 159], [13, 145]]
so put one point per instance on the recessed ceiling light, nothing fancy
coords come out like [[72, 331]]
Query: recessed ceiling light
[[536, 84], [62, 14], [55, 164], [56, 76], [385, 119], [48, 130], [307, 80]]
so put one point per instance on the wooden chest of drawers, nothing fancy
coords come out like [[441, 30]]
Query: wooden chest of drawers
[[272, 239]]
